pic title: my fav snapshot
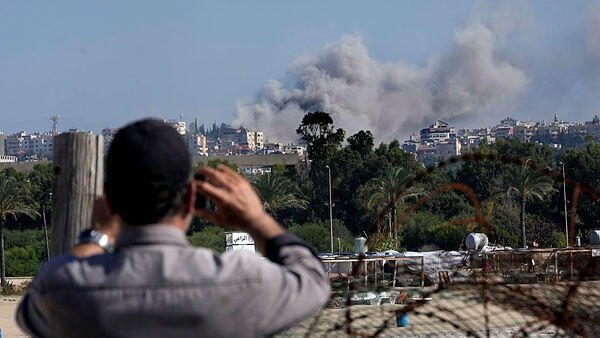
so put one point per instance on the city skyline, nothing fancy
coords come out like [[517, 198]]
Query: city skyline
[[224, 62], [207, 126]]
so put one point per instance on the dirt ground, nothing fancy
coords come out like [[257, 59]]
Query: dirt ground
[[461, 312], [451, 313], [8, 324]]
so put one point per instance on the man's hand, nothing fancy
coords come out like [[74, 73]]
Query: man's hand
[[103, 221], [237, 204]]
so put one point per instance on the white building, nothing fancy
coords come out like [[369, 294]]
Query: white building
[[7, 159], [197, 145], [294, 149], [21, 144], [180, 126], [2, 139], [259, 142], [439, 131]]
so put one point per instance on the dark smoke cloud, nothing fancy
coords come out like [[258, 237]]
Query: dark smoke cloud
[[391, 99], [592, 37], [485, 73]]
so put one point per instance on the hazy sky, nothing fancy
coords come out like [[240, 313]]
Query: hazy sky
[[104, 63]]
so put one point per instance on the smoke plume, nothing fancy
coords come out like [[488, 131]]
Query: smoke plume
[[390, 99]]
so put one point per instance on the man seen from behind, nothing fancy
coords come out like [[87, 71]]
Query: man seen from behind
[[154, 283]]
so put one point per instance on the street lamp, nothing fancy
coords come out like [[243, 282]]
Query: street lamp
[[565, 200], [330, 210]]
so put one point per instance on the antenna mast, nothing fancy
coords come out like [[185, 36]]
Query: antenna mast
[[54, 119]]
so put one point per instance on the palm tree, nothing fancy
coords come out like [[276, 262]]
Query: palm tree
[[529, 185], [385, 192], [12, 196], [278, 192]]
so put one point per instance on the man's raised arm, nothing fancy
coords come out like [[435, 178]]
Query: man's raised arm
[[295, 284]]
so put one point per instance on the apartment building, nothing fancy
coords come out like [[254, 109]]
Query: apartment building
[[197, 145], [446, 150], [524, 132], [252, 140], [587, 128], [439, 131], [502, 131]]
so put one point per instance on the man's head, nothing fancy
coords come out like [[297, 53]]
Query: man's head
[[148, 172]]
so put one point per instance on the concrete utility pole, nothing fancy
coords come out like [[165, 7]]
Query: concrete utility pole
[[330, 210], [46, 232], [565, 200], [78, 180]]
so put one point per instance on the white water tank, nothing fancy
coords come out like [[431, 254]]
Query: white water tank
[[360, 245], [476, 241], [595, 237]]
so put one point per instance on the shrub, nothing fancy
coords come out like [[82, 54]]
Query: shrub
[[34, 238], [21, 261], [557, 240], [210, 237], [317, 235]]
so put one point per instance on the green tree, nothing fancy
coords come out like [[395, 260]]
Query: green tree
[[582, 167], [277, 192], [361, 142], [416, 229], [481, 175], [33, 238], [529, 185], [11, 204], [323, 141], [318, 132], [386, 193], [40, 179]]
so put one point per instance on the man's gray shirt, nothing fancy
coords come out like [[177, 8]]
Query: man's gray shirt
[[156, 284]]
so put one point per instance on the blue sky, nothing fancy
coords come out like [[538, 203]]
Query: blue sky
[[104, 63]]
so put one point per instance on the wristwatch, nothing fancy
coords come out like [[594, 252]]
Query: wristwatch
[[95, 236]]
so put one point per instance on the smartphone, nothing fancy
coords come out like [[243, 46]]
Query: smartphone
[[201, 201]]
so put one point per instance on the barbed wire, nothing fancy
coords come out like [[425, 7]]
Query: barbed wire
[[518, 293]]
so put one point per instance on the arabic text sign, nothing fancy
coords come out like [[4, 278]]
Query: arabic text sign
[[238, 238]]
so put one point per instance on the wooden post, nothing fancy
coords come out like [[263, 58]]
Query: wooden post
[[375, 263], [349, 274], [556, 266], [570, 265], [395, 272], [366, 273], [78, 163], [422, 271]]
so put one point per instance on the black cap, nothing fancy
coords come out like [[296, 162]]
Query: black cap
[[148, 165]]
